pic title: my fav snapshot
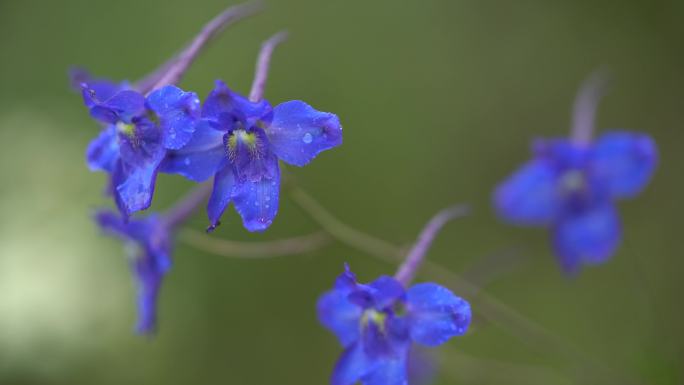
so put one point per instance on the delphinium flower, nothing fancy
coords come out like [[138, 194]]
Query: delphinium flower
[[138, 131], [239, 141], [377, 323], [571, 185], [149, 242]]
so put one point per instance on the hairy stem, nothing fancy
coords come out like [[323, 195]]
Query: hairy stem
[[263, 65], [173, 70], [415, 257], [584, 110]]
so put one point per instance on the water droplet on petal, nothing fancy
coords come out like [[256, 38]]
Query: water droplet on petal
[[307, 138], [187, 161]]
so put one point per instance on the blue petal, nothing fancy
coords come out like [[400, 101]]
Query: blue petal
[[125, 105], [530, 196], [200, 158], [136, 187], [251, 155], [340, 316], [298, 132], [103, 151], [352, 366], [436, 314], [99, 89], [388, 372], [624, 162], [143, 146], [224, 186], [178, 112], [149, 270], [224, 107], [110, 222], [257, 201], [590, 236], [386, 291]]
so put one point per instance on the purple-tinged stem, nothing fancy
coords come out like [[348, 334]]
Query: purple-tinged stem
[[263, 64], [184, 208], [415, 257], [173, 70], [584, 110]]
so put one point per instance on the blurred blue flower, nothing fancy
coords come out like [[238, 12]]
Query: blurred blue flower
[[571, 189], [149, 242], [138, 132], [239, 142], [377, 323]]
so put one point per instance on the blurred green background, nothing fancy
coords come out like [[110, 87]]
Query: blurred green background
[[439, 100]]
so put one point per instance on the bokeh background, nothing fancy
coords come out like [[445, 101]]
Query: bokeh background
[[439, 100]]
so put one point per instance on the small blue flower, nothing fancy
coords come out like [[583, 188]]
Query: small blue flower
[[571, 189], [138, 132], [377, 323], [150, 243], [239, 142]]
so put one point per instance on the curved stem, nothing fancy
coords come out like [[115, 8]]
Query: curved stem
[[584, 110], [184, 208], [257, 250], [415, 257], [173, 70], [263, 65]]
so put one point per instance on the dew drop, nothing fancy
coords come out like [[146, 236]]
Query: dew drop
[[307, 138], [187, 161]]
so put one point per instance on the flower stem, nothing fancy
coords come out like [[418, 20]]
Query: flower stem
[[263, 64], [584, 110], [173, 70], [183, 209], [415, 257], [255, 250]]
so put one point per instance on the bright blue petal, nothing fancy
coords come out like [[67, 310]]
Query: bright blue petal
[[103, 151], [224, 107], [149, 271], [257, 201], [386, 291], [590, 236], [125, 104], [352, 365], [530, 196], [340, 316], [388, 372], [142, 146], [624, 162], [436, 314], [298, 132], [178, 113], [251, 155], [224, 186], [136, 187], [200, 159]]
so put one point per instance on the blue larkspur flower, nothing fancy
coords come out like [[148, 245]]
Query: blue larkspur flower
[[149, 241], [572, 188], [378, 322], [239, 143], [137, 134]]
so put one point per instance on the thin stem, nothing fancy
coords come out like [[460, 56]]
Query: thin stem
[[263, 64], [342, 232], [584, 110], [184, 208], [415, 257], [268, 249], [173, 70]]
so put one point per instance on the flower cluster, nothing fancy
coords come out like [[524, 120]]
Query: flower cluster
[[571, 188], [234, 140], [378, 322]]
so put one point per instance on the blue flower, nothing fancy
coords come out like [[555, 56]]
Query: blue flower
[[377, 323], [571, 189], [150, 243], [239, 142], [137, 134]]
